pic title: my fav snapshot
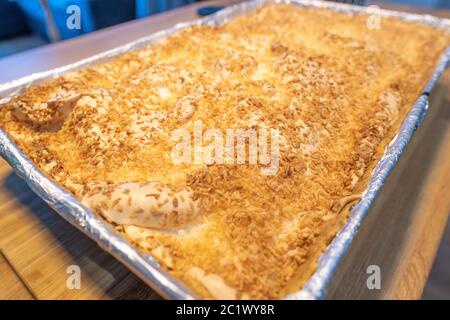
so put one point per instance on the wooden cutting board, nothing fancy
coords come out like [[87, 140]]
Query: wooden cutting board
[[401, 233]]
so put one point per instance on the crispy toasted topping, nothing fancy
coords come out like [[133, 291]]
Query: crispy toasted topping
[[335, 90], [150, 205]]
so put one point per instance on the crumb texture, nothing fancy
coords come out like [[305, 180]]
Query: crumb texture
[[336, 91]]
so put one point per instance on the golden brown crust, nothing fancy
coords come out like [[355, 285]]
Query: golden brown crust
[[336, 90]]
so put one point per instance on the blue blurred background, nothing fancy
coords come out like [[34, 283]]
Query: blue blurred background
[[25, 24]]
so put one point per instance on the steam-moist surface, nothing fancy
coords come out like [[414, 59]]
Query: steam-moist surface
[[336, 90]]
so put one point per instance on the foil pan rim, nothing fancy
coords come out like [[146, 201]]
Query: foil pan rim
[[144, 265], [223, 15], [67, 206]]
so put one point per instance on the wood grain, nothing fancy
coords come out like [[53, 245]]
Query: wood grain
[[69, 51], [11, 285], [42, 246], [402, 230], [401, 233]]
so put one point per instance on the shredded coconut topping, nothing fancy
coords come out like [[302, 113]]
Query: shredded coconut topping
[[336, 91]]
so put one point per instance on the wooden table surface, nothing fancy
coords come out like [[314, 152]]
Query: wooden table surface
[[401, 233]]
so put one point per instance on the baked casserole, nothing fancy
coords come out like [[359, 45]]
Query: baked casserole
[[334, 90]]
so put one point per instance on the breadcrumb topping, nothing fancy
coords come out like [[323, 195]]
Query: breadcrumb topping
[[336, 90]]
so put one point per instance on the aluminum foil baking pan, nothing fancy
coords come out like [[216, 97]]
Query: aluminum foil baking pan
[[144, 265]]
